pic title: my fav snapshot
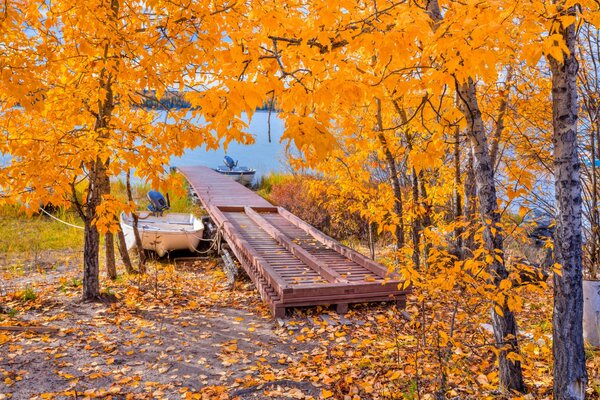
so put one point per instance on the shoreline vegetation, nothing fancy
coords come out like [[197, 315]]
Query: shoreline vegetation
[[177, 100]]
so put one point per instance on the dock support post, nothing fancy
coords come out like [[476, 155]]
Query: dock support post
[[341, 308], [278, 311], [401, 303]]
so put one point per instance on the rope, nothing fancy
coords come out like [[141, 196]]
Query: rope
[[60, 220], [214, 242]]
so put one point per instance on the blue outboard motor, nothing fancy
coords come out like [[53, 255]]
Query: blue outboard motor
[[229, 162], [158, 204]]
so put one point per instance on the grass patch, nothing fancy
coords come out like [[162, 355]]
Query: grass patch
[[28, 294], [23, 234], [266, 183], [66, 284], [20, 233]]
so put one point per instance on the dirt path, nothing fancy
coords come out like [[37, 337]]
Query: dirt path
[[176, 334]]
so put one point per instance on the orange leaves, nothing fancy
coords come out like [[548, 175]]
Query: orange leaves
[[555, 47], [4, 338], [430, 156], [107, 215]]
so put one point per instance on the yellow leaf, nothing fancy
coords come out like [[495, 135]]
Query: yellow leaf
[[4, 338], [557, 269], [498, 310], [325, 394]]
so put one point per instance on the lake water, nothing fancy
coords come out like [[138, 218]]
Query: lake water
[[264, 156]]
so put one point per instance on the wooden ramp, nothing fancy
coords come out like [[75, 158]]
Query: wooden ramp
[[291, 263]]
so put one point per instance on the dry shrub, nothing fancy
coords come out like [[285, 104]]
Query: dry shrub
[[314, 207]]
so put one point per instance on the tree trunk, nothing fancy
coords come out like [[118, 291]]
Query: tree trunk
[[570, 376], [500, 121], [124, 253], [136, 232], [109, 249], [458, 231], [505, 326], [91, 264], [416, 228], [371, 240], [91, 236], [98, 182], [109, 242], [503, 322], [470, 200], [391, 163], [425, 220], [595, 216]]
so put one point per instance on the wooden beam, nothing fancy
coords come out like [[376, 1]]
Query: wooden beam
[[242, 209], [315, 264], [333, 244], [235, 239], [332, 290], [313, 301]]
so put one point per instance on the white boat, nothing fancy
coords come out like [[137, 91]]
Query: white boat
[[243, 175], [163, 233]]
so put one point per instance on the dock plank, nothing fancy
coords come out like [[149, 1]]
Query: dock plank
[[291, 263]]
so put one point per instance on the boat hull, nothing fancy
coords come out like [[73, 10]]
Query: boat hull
[[162, 234], [243, 175]]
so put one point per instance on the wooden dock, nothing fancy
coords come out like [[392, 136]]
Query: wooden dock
[[291, 263]]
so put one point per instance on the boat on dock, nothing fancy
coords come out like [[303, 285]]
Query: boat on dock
[[243, 175], [162, 232]]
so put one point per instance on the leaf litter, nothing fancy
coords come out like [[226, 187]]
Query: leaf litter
[[178, 332]]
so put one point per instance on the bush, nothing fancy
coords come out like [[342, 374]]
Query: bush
[[293, 194]]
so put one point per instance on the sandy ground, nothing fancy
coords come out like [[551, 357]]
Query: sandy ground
[[173, 335]]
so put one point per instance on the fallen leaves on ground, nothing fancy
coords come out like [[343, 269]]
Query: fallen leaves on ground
[[178, 332]]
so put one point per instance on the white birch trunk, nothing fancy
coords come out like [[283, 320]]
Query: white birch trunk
[[570, 376]]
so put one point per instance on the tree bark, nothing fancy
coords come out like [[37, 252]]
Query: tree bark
[[503, 322], [570, 376], [416, 225], [595, 217], [458, 213], [371, 240], [500, 121], [91, 237], [425, 220], [470, 200], [109, 242], [124, 253], [391, 163], [91, 268], [109, 249]]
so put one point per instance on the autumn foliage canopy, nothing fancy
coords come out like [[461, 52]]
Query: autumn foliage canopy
[[430, 120]]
